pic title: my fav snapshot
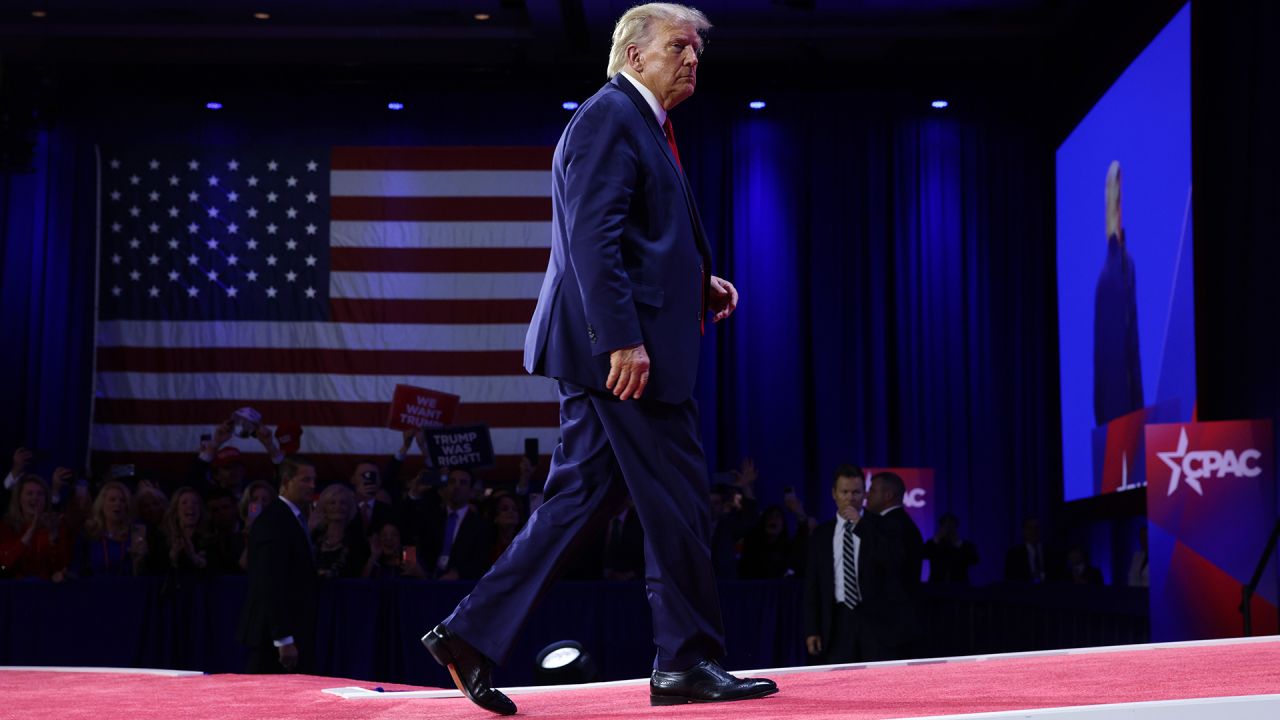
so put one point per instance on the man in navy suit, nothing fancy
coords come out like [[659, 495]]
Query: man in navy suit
[[619, 323]]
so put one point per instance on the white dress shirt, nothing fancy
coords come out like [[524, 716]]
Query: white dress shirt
[[837, 552], [658, 111]]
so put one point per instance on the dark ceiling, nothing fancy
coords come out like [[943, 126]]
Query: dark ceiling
[[1030, 48]]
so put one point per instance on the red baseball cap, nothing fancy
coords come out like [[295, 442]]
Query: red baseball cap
[[229, 455], [289, 437]]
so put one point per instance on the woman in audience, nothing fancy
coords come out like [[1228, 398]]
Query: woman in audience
[[111, 544], [387, 559], [503, 510], [254, 498], [185, 534], [34, 542], [331, 523]]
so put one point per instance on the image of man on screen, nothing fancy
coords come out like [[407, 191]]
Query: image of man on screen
[[1117, 365]]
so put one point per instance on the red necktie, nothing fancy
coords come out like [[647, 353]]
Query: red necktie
[[671, 142]]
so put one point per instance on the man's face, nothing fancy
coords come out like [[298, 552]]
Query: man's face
[[299, 488], [457, 492], [33, 499], [668, 65], [366, 481], [880, 497], [223, 512], [848, 492], [1031, 532], [230, 477]]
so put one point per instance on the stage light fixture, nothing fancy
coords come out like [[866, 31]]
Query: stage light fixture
[[395, 106], [939, 104], [564, 663], [569, 105], [215, 105], [756, 104], [482, 16], [262, 16]]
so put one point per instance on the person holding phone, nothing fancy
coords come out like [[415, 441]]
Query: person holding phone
[[111, 544]]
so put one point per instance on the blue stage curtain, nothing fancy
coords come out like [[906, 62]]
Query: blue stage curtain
[[896, 274], [47, 275]]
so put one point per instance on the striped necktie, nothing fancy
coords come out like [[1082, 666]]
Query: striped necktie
[[851, 594]]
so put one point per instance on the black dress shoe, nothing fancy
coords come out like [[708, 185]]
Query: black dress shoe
[[469, 668], [703, 683]]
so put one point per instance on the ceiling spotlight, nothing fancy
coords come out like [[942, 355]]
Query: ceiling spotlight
[[569, 105], [215, 105], [262, 16], [939, 104], [395, 106], [482, 16], [756, 104], [39, 13]]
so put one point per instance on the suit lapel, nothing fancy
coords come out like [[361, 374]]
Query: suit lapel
[[655, 130]]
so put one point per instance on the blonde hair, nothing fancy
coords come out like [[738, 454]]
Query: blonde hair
[[327, 494], [247, 497], [97, 523], [637, 26], [14, 514], [172, 526], [1113, 201]]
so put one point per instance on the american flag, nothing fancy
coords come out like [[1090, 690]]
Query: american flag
[[306, 283]]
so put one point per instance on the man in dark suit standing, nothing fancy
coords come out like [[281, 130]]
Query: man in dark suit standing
[[459, 539], [832, 591], [279, 617], [894, 592], [618, 324]]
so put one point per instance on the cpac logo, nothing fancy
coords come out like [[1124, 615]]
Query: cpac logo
[[1192, 467], [914, 498]]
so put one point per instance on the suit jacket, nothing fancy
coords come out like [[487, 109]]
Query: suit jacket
[[630, 261], [470, 554], [1117, 365], [282, 581], [889, 560]]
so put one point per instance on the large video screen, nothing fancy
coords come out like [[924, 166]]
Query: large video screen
[[1125, 305]]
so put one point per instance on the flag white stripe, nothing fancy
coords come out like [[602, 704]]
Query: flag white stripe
[[440, 183], [435, 286], [320, 387], [315, 439], [315, 335], [406, 234]]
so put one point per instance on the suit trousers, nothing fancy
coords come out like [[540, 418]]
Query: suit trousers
[[607, 448]]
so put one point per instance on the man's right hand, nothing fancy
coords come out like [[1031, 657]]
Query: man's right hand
[[289, 656], [814, 644], [628, 372], [851, 514]]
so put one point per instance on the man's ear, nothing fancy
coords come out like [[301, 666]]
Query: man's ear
[[633, 58]]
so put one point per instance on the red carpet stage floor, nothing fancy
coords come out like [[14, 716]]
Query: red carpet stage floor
[[1214, 679]]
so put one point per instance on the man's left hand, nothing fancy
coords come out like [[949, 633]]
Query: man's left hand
[[723, 299]]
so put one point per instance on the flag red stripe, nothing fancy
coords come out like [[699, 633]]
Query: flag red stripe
[[432, 312], [308, 360], [441, 260], [306, 412], [172, 469], [440, 209], [441, 158]]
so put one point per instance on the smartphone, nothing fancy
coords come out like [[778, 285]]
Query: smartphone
[[409, 555], [531, 449], [255, 509], [121, 471]]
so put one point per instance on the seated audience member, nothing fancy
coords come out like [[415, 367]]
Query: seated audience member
[[624, 545], [388, 559], [1029, 560], [185, 543], [1139, 572], [950, 556], [460, 540], [1079, 570], [332, 533], [503, 512], [34, 542], [227, 536], [111, 544], [767, 550]]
